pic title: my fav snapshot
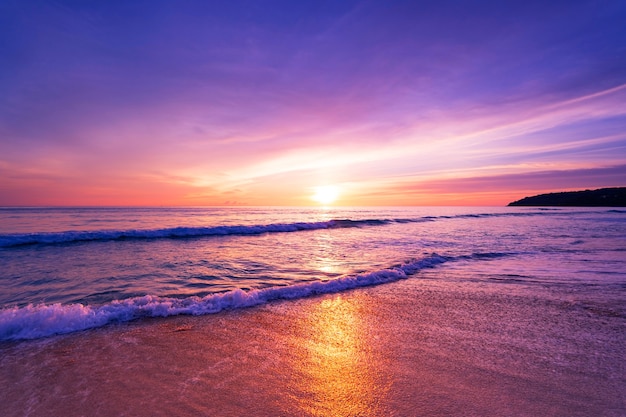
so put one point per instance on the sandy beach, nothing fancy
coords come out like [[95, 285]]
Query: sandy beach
[[411, 348]]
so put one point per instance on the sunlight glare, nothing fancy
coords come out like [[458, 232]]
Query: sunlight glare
[[326, 194]]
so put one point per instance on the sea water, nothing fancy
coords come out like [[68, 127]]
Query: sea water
[[64, 270], [313, 312]]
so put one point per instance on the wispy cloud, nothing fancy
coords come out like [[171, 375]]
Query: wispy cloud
[[261, 103]]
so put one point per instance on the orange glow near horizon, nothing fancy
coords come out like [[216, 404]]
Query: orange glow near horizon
[[447, 193]]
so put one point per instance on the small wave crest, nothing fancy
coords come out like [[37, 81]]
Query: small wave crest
[[36, 321], [68, 237], [485, 255], [12, 240]]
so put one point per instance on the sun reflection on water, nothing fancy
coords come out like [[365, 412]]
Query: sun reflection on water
[[336, 363], [325, 259]]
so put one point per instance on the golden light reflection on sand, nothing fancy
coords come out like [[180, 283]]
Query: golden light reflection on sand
[[336, 362]]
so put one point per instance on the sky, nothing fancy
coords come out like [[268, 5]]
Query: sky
[[186, 103]]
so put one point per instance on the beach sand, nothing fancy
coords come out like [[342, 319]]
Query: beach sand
[[419, 347]]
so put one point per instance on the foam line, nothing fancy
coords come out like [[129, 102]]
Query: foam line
[[10, 240], [36, 321], [52, 238]]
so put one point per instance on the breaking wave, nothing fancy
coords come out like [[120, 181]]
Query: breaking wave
[[22, 239], [36, 321], [52, 238]]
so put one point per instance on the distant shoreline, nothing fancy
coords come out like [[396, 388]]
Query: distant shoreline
[[603, 197]]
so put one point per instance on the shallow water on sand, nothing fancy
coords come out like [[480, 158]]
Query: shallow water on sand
[[437, 346]]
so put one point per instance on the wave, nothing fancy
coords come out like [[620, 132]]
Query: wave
[[53, 238], [37, 321], [23, 239]]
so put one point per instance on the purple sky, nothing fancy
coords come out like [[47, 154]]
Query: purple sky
[[258, 102]]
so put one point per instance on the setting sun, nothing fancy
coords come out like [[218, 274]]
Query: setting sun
[[326, 194]]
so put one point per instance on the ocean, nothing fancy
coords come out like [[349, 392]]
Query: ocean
[[89, 279]]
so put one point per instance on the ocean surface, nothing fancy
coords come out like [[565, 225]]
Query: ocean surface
[[468, 311], [66, 270]]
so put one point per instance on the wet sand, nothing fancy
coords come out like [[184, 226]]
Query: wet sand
[[413, 348]]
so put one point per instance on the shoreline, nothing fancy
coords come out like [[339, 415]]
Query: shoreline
[[412, 347]]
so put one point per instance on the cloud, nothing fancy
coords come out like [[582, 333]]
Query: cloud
[[555, 180], [234, 97]]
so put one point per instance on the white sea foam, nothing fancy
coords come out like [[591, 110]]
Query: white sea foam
[[52, 238], [20, 239], [36, 321]]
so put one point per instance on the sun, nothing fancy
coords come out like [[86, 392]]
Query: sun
[[326, 194]]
